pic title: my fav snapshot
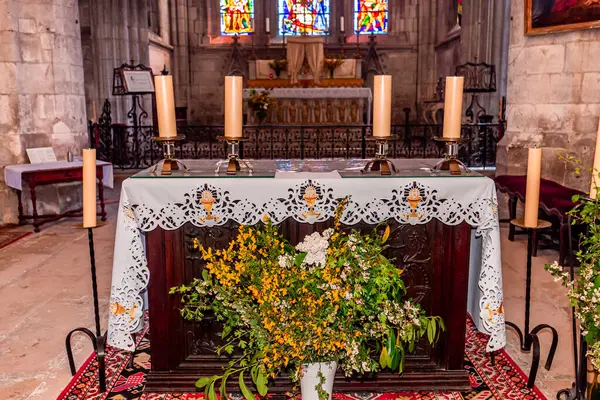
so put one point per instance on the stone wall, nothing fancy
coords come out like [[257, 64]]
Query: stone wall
[[553, 100], [42, 101], [113, 33]]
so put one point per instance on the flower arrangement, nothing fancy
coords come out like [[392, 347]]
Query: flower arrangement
[[584, 291], [260, 102], [331, 64], [332, 298], [278, 65]]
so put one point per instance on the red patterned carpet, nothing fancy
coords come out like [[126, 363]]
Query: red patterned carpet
[[501, 381]]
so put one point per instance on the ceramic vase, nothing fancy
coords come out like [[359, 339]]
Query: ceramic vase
[[310, 379]]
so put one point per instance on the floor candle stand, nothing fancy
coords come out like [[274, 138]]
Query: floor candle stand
[[578, 389], [233, 156], [169, 163], [98, 339], [380, 163], [528, 338], [450, 162]]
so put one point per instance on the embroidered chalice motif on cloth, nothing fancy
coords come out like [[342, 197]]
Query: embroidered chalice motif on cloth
[[414, 198], [207, 200], [310, 196]]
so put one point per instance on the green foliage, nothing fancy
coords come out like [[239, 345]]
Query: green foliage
[[334, 297], [584, 290]]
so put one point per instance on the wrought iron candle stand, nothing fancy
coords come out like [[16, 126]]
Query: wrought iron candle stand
[[169, 163], [527, 337], [381, 164], [233, 156], [98, 339], [450, 162]]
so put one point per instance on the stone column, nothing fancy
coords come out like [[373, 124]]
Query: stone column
[[42, 101]]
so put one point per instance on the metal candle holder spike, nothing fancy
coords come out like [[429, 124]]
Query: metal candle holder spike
[[450, 162], [233, 156], [169, 163], [381, 164]]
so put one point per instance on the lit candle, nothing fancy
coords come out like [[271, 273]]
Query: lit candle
[[342, 26], [233, 106], [89, 188], [165, 106], [267, 25], [382, 105], [453, 106], [94, 113], [532, 192], [596, 168]]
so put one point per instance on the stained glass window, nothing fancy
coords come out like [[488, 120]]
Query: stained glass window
[[371, 16], [237, 17], [308, 17]]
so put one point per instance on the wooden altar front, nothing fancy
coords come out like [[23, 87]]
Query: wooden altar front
[[435, 260]]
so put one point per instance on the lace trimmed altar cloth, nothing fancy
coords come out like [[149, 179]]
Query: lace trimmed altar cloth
[[199, 197]]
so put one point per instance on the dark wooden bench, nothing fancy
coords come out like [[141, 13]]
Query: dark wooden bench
[[555, 202]]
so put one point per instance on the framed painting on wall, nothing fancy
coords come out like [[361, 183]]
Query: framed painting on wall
[[548, 16]]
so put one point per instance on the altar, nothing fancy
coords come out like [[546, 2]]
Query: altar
[[316, 106], [445, 236]]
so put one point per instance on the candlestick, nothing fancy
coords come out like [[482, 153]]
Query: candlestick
[[532, 193], [596, 168], [453, 106], [233, 106], [89, 188], [94, 113], [382, 105], [342, 25], [165, 106], [267, 25]]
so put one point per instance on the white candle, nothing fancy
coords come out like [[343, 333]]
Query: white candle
[[532, 191], [165, 106], [453, 106], [382, 105], [89, 188], [233, 106], [267, 25], [596, 168], [342, 25]]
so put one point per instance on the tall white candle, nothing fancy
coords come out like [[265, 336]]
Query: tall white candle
[[233, 106], [165, 106], [382, 105], [89, 188], [453, 106], [267, 25], [342, 25], [532, 191], [596, 168]]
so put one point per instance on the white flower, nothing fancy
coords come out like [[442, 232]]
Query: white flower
[[315, 246]]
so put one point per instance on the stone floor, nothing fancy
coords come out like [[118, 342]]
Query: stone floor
[[45, 292]]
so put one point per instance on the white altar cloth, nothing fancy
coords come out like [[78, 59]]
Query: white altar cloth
[[170, 202], [13, 174]]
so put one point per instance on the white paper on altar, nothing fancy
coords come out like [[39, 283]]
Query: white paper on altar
[[169, 203], [13, 173]]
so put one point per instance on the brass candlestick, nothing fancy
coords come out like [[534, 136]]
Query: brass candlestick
[[169, 163], [381, 164], [233, 156], [450, 162]]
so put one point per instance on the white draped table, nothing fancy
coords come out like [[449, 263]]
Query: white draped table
[[150, 202]]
